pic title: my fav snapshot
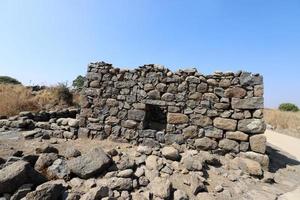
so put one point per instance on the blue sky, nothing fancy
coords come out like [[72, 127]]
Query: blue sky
[[45, 42]]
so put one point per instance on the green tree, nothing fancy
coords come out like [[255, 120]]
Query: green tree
[[9, 80], [78, 82], [288, 107]]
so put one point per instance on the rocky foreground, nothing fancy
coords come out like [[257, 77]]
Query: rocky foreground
[[88, 170]]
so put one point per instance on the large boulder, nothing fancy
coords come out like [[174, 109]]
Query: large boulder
[[58, 170], [246, 165], [17, 174], [48, 191], [44, 161], [263, 159], [94, 162]]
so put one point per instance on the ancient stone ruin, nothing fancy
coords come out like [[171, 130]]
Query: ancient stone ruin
[[152, 105]]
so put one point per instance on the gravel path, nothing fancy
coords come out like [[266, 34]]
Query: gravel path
[[286, 143]]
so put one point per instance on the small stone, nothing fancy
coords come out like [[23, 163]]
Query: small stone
[[197, 185], [94, 162], [170, 152], [219, 188], [180, 195], [125, 173]]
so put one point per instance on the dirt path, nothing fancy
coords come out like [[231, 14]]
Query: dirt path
[[286, 143]]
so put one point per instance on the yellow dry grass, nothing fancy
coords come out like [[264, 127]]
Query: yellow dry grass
[[285, 122], [17, 98]]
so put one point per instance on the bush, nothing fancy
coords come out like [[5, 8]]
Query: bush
[[288, 107], [78, 82], [64, 94], [9, 80]]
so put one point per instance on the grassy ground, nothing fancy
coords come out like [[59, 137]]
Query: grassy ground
[[284, 122], [17, 98]]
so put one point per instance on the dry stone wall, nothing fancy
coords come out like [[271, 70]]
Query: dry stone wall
[[151, 105]]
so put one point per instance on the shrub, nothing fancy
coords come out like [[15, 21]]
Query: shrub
[[9, 80], [78, 82], [288, 107], [64, 95]]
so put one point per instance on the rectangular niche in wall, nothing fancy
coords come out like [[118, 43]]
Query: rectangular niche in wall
[[156, 117]]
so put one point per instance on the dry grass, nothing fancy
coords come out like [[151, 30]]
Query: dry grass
[[17, 98], [285, 122]]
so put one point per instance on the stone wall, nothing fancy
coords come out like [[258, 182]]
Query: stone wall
[[222, 112]]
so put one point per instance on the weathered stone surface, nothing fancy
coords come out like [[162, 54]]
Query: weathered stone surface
[[129, 124], [214, 133], [246, 165], [190, 132], [197, 185], [229, 145], [235, 92], [180, 195], [248, 103], [247, 79], [201, 120], [137, 115], [262, 159], [94, 162], [44, 161], [225, 124], [191, 163], [177, 118], [72, 152], [154, 94], [161, 187], [252, 126], [96, 193], [48, 191], [58, 170], [170, 152], [236, 135], [258, 143], [205, 144], [18, 173]]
